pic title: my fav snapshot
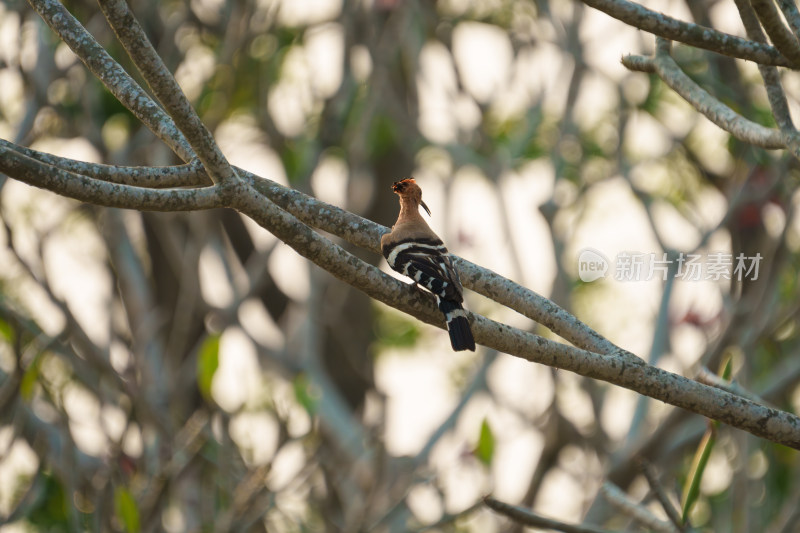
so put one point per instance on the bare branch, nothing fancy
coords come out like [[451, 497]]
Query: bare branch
[[689, 33], [777, 100], [38, 174], [778, 33], [113, 76], [188, 175], [621, 368], [167, 90], [789, 9], [710, 378], [529, 518], [714, 110], [622, 503], [366, 234], [661, 495]]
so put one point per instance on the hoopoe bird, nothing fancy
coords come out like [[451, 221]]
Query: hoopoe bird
[[414, 250]]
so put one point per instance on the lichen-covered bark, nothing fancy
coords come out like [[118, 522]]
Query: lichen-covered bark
[[692, 34]]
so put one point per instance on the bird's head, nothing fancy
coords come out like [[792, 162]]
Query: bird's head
[[408, 188]]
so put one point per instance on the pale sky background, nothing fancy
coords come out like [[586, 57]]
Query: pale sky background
[[419, 385]]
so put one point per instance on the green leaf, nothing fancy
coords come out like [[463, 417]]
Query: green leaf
[[393, 330], [29, 380], [727, 368], [382, 137], [654, 95], [207, 364], [484, 451], [7, 332], [127, 510], [691, 490], [49, 507], [298, 155], [304, 395]]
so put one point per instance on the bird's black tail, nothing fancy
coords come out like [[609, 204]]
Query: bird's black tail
[[457, 325]]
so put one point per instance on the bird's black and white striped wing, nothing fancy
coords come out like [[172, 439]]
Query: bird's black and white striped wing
[[428, 263]]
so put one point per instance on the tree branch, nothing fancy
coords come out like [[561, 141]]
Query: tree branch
[[167, 91], [772, 80], [187, 175], [113, 76], [723, 116], [661, 495], [779, 34], [625, 370], [366, 234], [789, 9], [622, 368], [531, 519], [97, 192], [640, 514], [692, 34], [354, 229], [618, 367]]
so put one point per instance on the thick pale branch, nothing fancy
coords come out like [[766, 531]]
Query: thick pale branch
[[187, 175], [113, 76], [351, 227], [167, 90], [366, 234], [789, 9], [714, 110], [772, 80], [621, 368], [779, 34], [93, 191], [618, 367], [693, 34]]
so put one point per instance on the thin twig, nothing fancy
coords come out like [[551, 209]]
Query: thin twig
[[708, 377], [661, 495], [620, 501], [531, 519], [449, 518]]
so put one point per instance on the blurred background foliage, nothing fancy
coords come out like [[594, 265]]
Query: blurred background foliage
[[187, 372]]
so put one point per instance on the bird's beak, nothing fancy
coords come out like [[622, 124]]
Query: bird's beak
[[425, 207]]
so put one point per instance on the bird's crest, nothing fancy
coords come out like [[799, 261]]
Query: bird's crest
[[409, 186]]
